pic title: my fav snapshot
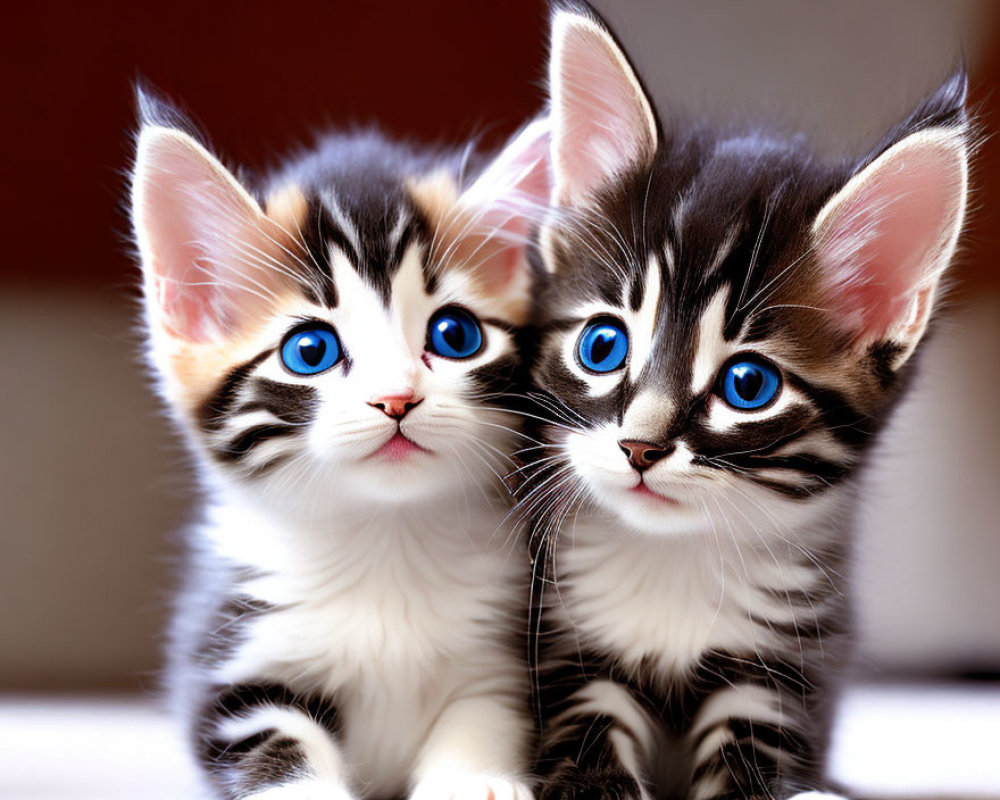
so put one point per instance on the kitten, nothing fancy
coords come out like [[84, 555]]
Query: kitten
[[728, 322], [336, 341]]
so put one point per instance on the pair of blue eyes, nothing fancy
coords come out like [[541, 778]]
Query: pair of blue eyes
[[747, 384], [314, 347]]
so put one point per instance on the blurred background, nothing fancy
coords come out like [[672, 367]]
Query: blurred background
[[93, 486]]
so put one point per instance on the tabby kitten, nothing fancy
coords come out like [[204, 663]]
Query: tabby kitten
[[335, 341], [727, 324]]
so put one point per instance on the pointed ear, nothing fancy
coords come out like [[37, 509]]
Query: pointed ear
[[206, 246], [485, 230], [507, 200], [602, 121], [886, 238]]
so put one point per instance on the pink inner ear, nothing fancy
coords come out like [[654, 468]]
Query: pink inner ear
[[602, 122], [507, 199], [185, 313], [199, 233], [892, 236]]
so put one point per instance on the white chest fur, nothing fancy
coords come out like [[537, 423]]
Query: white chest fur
[[392, 616], [669, 600]]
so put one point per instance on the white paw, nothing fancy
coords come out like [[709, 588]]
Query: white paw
[[474, 786], [816, 796], [304, 790]]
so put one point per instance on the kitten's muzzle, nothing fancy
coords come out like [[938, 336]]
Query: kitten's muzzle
[[642, 455]]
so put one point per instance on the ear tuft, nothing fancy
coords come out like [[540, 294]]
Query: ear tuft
[[153, 109], [602, 121]]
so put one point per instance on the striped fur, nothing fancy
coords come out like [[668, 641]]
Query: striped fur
[[690, 620], [353, 624]]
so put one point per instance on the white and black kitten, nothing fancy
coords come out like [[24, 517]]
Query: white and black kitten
[[336, 341], [727, 324]]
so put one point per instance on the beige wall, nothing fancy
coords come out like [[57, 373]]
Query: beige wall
[[91, 489]]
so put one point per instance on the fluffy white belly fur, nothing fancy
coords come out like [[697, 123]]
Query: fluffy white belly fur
[[394, 618]]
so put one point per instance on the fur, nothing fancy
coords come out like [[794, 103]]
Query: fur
[[691, 609], [353, 621]]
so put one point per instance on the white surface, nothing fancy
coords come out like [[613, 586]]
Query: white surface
[[73, 749], [903, 741], [892, 741]]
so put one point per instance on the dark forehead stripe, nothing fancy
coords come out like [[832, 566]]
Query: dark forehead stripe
[[356, 187], [381, 232]]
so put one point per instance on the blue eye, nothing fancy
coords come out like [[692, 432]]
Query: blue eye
[[311, 350], [603, 346], [454, 333], [749, 384]]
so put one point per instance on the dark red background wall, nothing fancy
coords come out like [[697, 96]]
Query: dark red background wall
[[262, 76], [259, 77]]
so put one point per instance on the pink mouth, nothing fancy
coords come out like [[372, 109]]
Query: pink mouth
[[643, 490], [398, 448]]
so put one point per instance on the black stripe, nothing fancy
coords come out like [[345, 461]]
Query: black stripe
[[212, 413], [245, 697], [249, 439], [721, 670], [778, 737], [846, 423], [500, 375], [794, 491], [579, 761], [265, 757], [228, 627], [591, 784], [268, 466], [334, 234], [257, 762], [405, 237], [288, 402], [751, 772]]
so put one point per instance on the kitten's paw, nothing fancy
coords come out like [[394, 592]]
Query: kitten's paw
[[575, 785], [470, 787], [304, 790]]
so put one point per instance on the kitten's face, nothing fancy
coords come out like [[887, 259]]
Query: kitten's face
[[694, 381], [380, 395], [347, 343], [725, 319]]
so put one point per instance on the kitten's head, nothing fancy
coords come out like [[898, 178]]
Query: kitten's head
[[344, 330], [727, 318]]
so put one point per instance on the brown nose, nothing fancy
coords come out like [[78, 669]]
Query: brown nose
[[396, 406], [642, 455]]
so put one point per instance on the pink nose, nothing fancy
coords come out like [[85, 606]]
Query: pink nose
[[396, 406], [642, 455]]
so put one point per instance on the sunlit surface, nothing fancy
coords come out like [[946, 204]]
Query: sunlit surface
[[902, 742], [920, 741]]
